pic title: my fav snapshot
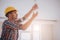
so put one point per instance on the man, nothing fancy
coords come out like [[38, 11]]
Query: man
[[11, 26]]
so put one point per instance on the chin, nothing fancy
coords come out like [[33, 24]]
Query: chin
[[16, 18]]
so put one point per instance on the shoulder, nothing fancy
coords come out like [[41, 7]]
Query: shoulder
[[5, 21]]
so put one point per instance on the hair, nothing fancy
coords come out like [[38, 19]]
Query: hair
[[9, 13]]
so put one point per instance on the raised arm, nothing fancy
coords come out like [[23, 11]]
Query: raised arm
[[24, 26], [35, 6]]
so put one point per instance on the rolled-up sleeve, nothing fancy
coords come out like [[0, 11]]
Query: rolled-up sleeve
[[21, 19], [13, 25]]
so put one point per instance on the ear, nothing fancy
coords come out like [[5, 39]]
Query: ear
[[9, 15]]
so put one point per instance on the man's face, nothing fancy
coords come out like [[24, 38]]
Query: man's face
[[14, 15]]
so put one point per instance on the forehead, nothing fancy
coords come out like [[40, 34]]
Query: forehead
[[14, 12]]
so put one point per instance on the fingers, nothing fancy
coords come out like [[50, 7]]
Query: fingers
[[35, 7], [35, 14]]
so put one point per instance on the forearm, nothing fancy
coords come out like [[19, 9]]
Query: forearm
[[35, 6], [27, 15], [27, 24]]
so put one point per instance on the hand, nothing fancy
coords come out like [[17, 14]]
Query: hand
[[35, 7], [35, 14]]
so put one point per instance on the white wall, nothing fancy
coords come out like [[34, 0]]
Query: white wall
[[56, 31], [48, 9]]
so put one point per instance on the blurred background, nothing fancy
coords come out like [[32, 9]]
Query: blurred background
[[46, 26]]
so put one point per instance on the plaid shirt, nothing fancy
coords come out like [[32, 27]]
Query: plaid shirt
[[10, 30]]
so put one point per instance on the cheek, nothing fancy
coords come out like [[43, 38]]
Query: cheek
[[14, 15]]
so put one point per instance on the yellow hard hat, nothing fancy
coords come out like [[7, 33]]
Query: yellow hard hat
[[9, 9]]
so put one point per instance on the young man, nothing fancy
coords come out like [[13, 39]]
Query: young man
[[11, 26]]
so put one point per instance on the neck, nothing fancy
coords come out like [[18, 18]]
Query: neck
[[10, 19]]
